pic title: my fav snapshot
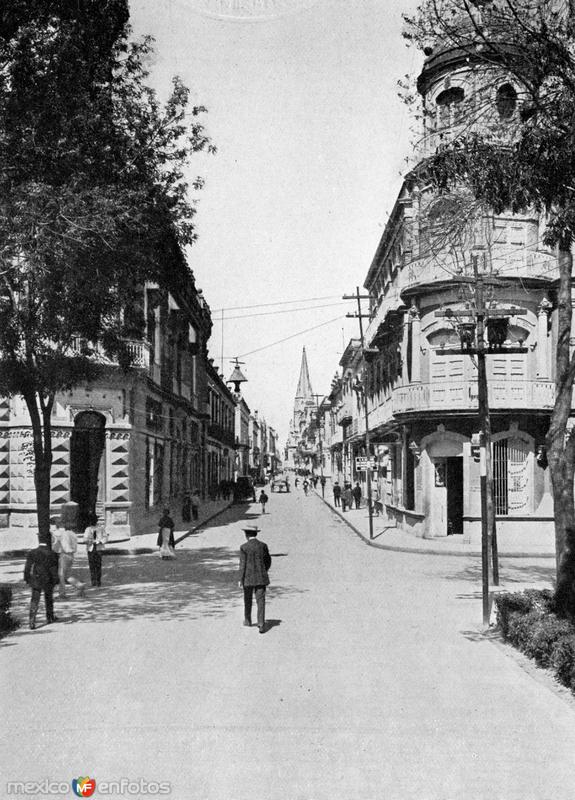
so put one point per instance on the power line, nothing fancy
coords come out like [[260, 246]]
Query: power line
[[279, 303], [293, 336], [284, 311]]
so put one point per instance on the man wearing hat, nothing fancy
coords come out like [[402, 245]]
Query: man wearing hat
[[255, 561]]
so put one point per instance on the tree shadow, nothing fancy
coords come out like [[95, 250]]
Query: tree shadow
[[197, 583], [511, 571]]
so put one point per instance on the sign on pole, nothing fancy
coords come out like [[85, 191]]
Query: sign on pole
[[362, 464]]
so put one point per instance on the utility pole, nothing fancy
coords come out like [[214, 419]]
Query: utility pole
[[359, 297], [322, 481], [472, 336]]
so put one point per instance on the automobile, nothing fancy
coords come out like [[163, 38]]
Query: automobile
[[280, 483], [244, 488]]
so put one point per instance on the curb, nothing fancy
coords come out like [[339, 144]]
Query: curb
[[121, 551], [426, 550]]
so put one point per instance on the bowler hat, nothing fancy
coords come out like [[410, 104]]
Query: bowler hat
[[253, 529]]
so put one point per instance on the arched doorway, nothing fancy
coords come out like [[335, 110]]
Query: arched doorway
[[86, 463]]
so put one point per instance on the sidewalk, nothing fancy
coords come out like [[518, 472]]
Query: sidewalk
[[388, 537], [16, 543]]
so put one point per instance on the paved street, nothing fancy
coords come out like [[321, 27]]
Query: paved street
[[373, 681]]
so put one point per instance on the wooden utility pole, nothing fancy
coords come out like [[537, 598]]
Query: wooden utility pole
[[359, 297], [320, 442], [473, 343]]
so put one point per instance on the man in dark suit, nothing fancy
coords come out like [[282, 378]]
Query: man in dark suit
[[41, 574], [255, 561]]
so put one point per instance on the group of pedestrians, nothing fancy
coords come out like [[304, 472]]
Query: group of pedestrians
[[47, 567], [345, 497]]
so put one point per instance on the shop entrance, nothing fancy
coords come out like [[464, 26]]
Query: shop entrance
[[454, 484], [87, 464]]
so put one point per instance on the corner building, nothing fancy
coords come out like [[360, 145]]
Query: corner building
[[423, 402], [130, 443]]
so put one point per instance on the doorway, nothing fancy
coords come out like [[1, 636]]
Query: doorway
[[86, 464], [454, 484]]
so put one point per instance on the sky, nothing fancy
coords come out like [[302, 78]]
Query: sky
[[312, 138]]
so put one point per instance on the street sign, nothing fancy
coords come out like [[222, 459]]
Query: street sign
[[362, 464]]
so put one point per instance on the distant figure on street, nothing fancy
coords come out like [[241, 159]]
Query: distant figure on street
[[95, 538], [65, 543], [346, 497], [337, 494], [263, 500], [186, 508], [255, 561], [195, 502], [296, 482], [166, 541], [305, 486], [41, 574], [376, 500], [356, 492], [314, 481]]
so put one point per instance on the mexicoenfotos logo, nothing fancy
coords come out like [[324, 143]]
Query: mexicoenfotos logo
[[84, 787]]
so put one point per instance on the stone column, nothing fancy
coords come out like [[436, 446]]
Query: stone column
[[415, 344], [543, 339]]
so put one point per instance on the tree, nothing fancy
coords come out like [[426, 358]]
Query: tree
[[91, 196], [526, 162]]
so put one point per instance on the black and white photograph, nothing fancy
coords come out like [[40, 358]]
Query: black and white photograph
[[287, 411]]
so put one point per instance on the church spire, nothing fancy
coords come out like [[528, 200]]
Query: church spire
[[304, 390]]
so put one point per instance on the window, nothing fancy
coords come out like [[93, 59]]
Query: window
[[506, 101], [449, 103]]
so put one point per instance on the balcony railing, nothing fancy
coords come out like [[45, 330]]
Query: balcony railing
[[138, 350], [445, 396]]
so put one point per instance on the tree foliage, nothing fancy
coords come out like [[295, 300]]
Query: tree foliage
[[91, 188], [526, 163]]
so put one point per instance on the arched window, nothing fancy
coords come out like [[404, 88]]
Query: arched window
[[506, 101]]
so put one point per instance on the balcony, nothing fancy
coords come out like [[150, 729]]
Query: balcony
[[462, 396], [138, 350], [453, 397]]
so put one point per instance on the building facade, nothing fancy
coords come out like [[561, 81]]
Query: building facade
[[422, 399], [130, 443], [220, 432]]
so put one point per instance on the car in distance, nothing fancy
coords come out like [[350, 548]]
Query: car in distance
[[244, 488], [280, 483]]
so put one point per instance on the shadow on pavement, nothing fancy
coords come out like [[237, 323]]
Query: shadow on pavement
[[197, 583], [510, 571]]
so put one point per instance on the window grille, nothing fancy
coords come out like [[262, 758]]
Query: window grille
[[511, 476]]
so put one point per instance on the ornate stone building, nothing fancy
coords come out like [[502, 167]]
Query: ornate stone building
[[131, 443], [422, 399]]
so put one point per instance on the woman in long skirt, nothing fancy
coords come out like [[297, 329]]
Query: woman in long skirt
[[166, 541]]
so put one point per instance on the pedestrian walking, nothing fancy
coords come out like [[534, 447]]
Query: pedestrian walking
[[41, 574], [65, 543], [337, 494], [263, 500], [356, 492], [296, 482], [346, 497], [376, 500], [305, 486], [95, 538], [195, 502], [166, 541], [255, 562]]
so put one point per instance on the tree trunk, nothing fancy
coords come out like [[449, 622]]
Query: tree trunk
[[560, 444], [42, 440]]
